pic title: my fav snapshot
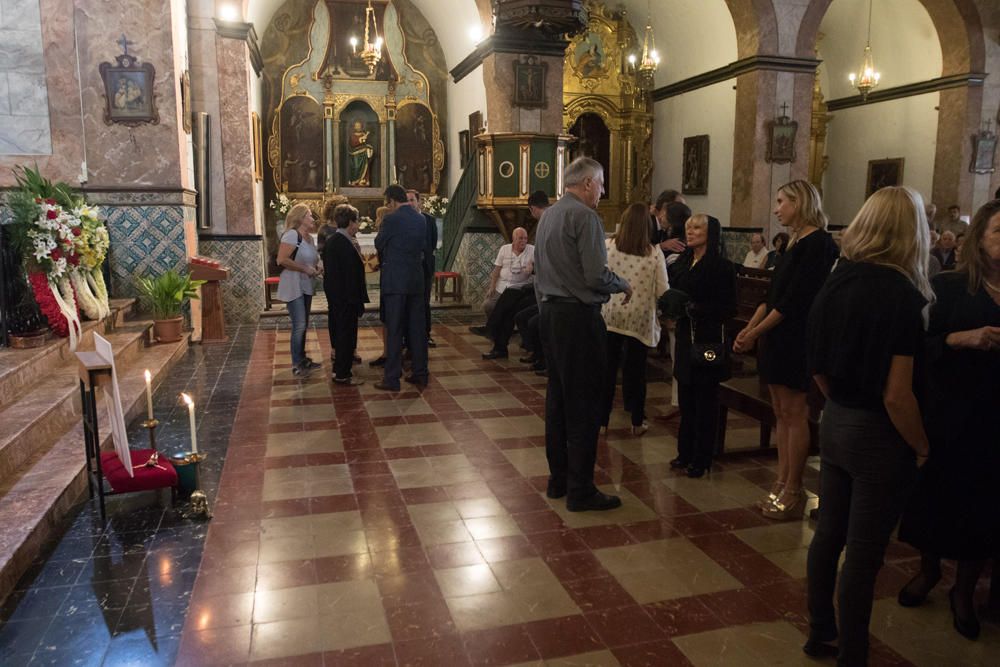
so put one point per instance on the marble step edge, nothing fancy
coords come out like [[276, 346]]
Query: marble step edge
[[21, 368], [42, 415], [36, 504]]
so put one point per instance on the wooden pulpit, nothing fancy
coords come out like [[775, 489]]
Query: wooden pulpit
[[213, 318]]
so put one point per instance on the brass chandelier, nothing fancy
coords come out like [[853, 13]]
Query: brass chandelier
[[866, 78], [371, 50], [650, 59]]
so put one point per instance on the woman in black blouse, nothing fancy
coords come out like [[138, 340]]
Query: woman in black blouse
[[865, 349], [954, 512], [709, 279], [781, 320]]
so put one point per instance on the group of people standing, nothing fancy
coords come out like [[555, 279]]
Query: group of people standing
[[406, 241]]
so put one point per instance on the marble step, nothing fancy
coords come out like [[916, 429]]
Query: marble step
[[38, 495], [50, 406], [20, 369]]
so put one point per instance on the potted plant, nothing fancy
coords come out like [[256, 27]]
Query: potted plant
[[166, 294]]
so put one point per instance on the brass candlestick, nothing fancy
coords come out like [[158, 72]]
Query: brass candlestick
[[150, 425], [199, 501]]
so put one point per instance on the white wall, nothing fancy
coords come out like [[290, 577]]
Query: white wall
[[710, 111], [464, 98], [905, 128]]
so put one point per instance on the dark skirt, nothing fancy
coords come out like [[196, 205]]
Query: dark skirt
[[782, 358]]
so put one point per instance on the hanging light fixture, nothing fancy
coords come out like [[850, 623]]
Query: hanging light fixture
[[650, 59], [371, 50], [866, 78]]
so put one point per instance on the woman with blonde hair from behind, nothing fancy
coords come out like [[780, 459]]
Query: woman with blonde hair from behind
[[632, 326], [865, 340], [781, 324]]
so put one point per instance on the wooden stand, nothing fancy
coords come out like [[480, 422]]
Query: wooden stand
[[95, 371], [213, 318]]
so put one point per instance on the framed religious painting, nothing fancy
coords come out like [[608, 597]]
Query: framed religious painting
[[464, 147], [883, 174], [984, 152], [694, 170], [781, 140], [529, 82], [128, 91]]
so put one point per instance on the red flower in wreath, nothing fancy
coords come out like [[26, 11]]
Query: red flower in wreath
[[47, 303], [50, 202], [73, 260], [55, 254], [77, 231], [51, 214]]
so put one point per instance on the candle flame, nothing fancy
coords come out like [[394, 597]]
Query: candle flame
[[187, 400], [149, 376]]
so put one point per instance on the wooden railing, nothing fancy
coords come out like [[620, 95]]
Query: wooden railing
[[461, 201]]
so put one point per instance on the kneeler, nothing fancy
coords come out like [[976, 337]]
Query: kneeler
[[150, 471]]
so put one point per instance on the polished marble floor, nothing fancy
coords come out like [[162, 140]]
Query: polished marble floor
[[354, 527]]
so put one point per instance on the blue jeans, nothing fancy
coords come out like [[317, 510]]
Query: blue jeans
[[298, 312]]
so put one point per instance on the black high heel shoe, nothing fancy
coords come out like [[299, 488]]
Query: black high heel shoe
[[967, 627], [916, 590], [679, 464], [697, 471]]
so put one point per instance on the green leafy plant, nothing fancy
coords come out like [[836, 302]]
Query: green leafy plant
[[166, 293]]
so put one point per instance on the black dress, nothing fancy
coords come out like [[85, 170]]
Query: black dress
[[798, 276], [954, 511]]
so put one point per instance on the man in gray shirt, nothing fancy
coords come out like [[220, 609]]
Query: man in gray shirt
[[572, 280]]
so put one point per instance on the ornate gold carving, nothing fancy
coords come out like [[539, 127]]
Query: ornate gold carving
[[274, 151]]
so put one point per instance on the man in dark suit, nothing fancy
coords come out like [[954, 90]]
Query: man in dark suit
[[346, 294], [400, 243], [413, 199]]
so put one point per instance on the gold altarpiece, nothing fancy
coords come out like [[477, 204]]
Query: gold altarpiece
[[607, 112], [819, 119]]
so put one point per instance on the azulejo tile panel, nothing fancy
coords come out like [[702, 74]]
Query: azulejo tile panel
[[474, 261], [243, 292], [145, 240]]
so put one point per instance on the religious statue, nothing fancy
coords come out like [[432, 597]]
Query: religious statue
[[360, 153]]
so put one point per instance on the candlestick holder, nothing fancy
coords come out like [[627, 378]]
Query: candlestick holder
[[150, 425], [199, 501]]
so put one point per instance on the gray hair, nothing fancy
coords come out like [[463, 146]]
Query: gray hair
[[581, 169]]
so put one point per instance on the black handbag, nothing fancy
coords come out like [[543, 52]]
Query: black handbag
[[709, 355]]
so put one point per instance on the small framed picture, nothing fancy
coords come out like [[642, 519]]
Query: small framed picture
[[883, 174], [128, 92], [464, 147], [529, 82], [984, 152], [695, 167], [781, 140]]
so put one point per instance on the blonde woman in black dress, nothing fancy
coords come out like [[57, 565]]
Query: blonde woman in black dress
[[781, 322]]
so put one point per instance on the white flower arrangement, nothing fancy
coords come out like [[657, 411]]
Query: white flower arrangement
[[282, 204], [366, 225], [436, 206]]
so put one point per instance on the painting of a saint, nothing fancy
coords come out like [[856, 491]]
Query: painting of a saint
[[414, 147], [360, 152], [302, 145], [128, 97], [589, 56], [695, 167]]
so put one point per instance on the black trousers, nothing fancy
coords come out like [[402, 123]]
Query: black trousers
[[343, 336], [576, 356], [500, 324], [699, 428], [527, 323], [404, 316], [633, 376], [428, 285], [865, 475]]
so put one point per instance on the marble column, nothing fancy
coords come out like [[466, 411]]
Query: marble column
[[959, 117], [751, 199]]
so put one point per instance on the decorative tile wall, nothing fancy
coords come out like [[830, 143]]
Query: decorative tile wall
[[145, 240], [243, 292], [474, 261], [737, 242]]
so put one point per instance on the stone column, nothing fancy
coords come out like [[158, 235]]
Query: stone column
[[502, 115], [959, 114], [235, 133], [751, 202]]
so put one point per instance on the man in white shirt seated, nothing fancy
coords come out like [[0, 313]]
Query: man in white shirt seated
[[757, 255], [512, 267]]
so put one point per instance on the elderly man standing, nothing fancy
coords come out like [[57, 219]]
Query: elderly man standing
[[400, 243], [572, 280]]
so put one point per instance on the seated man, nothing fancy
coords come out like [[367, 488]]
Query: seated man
[[757, 254], [512, 268], [531, 338]]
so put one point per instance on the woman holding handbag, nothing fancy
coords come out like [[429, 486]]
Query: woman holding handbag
[[299, 262], [702, 354]]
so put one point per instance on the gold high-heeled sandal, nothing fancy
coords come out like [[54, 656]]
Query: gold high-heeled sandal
[[772, 496], [790, 505]]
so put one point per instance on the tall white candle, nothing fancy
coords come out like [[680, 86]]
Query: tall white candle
[[149, 394], [194, 429]]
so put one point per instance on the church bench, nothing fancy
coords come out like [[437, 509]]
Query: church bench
[[749, 396]]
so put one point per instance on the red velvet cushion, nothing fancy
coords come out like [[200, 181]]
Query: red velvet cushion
[[145, 479], [446, 274], [273, 280]]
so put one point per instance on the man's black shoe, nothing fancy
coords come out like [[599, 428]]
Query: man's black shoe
[[595, 503], [555, 489], [530, 359], [377, 363], [495, 354], [417, 381], [480, 331], [382, 386], [431, 342]]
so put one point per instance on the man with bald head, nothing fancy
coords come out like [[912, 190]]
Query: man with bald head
[[513, 270]]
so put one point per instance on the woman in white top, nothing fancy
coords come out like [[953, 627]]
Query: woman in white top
[[299, 260], [633, 325]]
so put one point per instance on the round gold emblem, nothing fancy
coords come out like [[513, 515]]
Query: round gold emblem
[[506, 169], [709, 355], [541, 169]]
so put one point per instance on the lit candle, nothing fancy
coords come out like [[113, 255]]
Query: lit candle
[[354, 44], [149, 395], [194, 429]]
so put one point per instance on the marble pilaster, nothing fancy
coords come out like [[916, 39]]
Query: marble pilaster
[[234, 128]]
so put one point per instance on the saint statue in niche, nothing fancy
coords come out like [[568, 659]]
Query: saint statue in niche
[[360, 153]]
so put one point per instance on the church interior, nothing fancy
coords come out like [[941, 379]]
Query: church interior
[[300, 522]]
